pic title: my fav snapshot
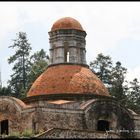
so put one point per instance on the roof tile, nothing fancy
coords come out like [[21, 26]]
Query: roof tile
[[67, 79]]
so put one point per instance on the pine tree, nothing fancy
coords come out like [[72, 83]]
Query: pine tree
[[134, 95], [38, 64], [117, 89], [102, 67], [5, 91], [21, 66], [127, 93]]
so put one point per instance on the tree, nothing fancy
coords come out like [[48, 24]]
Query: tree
[[38, 63], [118, 90], [112, 77], [127, 93], [5, 91], [134, 95], [21, 66], [102, 67]]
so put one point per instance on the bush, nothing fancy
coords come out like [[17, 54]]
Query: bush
[[14, 135], [27, 133]]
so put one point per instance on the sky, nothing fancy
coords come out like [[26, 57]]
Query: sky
[[113, 28]]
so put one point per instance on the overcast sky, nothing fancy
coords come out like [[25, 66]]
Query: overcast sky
[[113, 28]]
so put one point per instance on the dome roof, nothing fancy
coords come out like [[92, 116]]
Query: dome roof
[[67, 23], [67, 79]]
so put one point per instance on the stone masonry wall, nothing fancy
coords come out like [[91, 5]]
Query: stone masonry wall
[[72, 116], [47, 118], [67, 133], [71, 41], [120, 121]]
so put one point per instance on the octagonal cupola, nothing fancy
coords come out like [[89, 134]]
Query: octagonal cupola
[[67, 42]]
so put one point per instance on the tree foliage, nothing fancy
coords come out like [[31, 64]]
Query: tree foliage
[[117, 82], [38, 64], [26, 67], [5, 91], [102, 68], [21, 66], [134, 95], [114, 78]]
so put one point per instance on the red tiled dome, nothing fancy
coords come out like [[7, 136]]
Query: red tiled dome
[[67, 79], [66, 23]]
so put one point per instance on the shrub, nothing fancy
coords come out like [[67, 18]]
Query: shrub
[[14, 135], [27, 133]]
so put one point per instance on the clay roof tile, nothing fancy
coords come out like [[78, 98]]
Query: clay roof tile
[[67, 79], [66, 23]]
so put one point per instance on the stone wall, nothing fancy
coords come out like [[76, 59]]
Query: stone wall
[[78, 116], [39, 118], [63, 42], [86, 117], [56, 104], [18, 114], [67, 133], [119, 118], [137, 126], [47, 118]]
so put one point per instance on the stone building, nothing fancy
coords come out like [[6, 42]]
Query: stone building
[[68, 100]]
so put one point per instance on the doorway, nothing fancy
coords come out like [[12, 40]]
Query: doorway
[[102, 125], [4, 127]]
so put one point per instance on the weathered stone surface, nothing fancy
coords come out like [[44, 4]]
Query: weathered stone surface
[[82, 117], [67, 133], [62, 42]]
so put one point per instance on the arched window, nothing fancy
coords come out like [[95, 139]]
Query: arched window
[[66, 52], [102, 125], [68, 55]]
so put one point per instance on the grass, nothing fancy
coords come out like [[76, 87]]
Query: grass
[[27, 133]]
